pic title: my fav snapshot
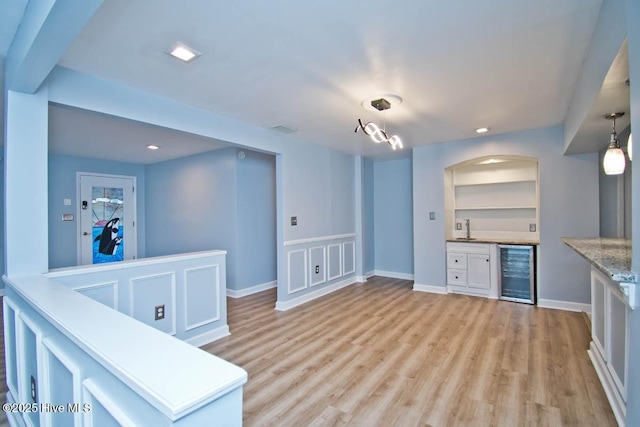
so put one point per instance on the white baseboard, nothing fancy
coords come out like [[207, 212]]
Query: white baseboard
[[393, 274], [369, 274], [564, 305], [430, 288], [610, 389], [208, 337], [361, 279], [286, 305], [252, 290]]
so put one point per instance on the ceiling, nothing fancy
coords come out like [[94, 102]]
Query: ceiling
[[509, 65]]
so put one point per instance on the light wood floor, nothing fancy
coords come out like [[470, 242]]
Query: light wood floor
[[379, 354]]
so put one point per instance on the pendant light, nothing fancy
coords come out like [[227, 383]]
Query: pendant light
[[373, 130], [630, 147], [613, 162]]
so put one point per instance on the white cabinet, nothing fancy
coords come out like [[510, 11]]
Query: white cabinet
[[469, 268], [609, 349], [478, 271]]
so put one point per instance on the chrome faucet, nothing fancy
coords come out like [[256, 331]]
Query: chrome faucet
[[467, 223]]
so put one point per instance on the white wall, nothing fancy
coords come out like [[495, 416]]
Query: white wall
[[568, 207]]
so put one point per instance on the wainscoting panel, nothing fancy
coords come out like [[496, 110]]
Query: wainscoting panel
[[335, 261], [315, 267], [297, 265], [318, 264], [148, 292], [105, 293], [201, 299], [349, 257]]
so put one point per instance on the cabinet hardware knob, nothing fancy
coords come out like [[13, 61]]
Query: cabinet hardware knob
[[456, 261], [456, 277], [487, 260]]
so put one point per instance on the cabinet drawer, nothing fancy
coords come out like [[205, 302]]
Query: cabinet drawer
[[456, 260], [456, 277]]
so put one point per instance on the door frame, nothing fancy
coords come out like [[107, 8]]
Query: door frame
[[134, 210]]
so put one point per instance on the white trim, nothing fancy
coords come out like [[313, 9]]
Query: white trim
[[324, 266], [318, 239], [216, 284], [617, 405], [232, 293], [305, 269], [52, 349], [132, 263], [92, 391], [10, 344], [329, 276], [442, 290], [344, 257], [174, 305], [361, 279], [209, 336], [393, 274], [286, 305], [564, 305], [1, 292], [113, 284]]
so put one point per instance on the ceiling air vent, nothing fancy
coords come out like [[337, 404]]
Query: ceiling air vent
[[283, 129]]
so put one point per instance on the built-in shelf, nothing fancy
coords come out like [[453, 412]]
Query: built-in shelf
[[476, 184], [496, 197], [481, 208]]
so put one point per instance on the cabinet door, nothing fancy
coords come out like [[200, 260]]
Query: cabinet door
[[478, 271]]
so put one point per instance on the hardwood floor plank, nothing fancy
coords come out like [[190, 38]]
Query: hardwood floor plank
[[381, 354]]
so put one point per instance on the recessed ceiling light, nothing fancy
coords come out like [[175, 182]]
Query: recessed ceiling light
[[183, 52], [152, 147], [482, 130]]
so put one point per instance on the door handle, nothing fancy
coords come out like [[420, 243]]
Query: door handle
[[86, 233]]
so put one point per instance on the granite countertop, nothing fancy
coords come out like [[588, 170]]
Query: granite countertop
[[611, 256], [500, 241]]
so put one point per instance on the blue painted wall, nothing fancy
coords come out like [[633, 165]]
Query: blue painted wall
[[369, 238], [63, 236], [191, 206], [319, 189], [256, 196], [568, 206], [216, 201], [393, 215]]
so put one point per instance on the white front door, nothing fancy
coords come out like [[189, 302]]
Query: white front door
[[107, 212]]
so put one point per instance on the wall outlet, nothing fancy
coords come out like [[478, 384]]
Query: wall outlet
[[432, 216], [159, 315], [458, 226], [34, 393], [532, 228], [317, 269], [294, 220], [67, 217]]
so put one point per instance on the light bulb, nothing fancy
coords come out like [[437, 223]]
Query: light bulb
[[630, 147], [613, 162]]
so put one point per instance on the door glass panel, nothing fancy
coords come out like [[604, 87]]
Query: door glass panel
[[107, 212]]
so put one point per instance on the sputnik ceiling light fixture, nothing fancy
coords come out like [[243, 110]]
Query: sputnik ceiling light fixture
[[373, 130], [613, 162]]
